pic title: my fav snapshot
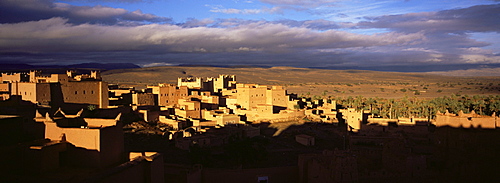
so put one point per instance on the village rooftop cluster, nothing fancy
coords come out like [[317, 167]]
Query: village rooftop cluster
[[77, 120]]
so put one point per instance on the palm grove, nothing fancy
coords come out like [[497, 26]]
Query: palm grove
[[419, 107]]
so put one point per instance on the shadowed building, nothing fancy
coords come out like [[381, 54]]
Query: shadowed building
[[102, 139], [75, 149], [331, 166]]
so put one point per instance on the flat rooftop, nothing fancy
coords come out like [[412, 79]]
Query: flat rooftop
[[8, 116]]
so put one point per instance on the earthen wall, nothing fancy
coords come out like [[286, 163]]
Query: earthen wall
[[87, 92]]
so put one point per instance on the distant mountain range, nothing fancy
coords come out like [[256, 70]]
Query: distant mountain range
[[391, 68], [414, 68], [385, 68], [93, 66]]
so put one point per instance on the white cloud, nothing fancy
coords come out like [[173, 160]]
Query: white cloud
[[98, 11], [308, 3], [57, 34], [29, 10], [157, 64], [221, 9]]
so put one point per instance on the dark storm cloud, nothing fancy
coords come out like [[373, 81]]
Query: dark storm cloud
[[12, 11], [57, 34], [447, 33], [153, 58], [48, 32], [274, 41], [483, 18]]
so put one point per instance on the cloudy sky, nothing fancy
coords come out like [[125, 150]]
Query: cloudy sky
[[299, 33]]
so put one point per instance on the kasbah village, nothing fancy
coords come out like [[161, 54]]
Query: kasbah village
[[75, 127]]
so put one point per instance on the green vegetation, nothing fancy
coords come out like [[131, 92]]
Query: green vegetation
[[91, 107], [416, 107]]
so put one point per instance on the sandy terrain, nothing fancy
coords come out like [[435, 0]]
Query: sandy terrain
[[319, 82]]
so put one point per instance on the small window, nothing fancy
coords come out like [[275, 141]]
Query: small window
[[84, 92], [76, 92]]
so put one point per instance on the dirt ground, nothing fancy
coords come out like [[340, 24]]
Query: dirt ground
[[319, 82], [431, 90]]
